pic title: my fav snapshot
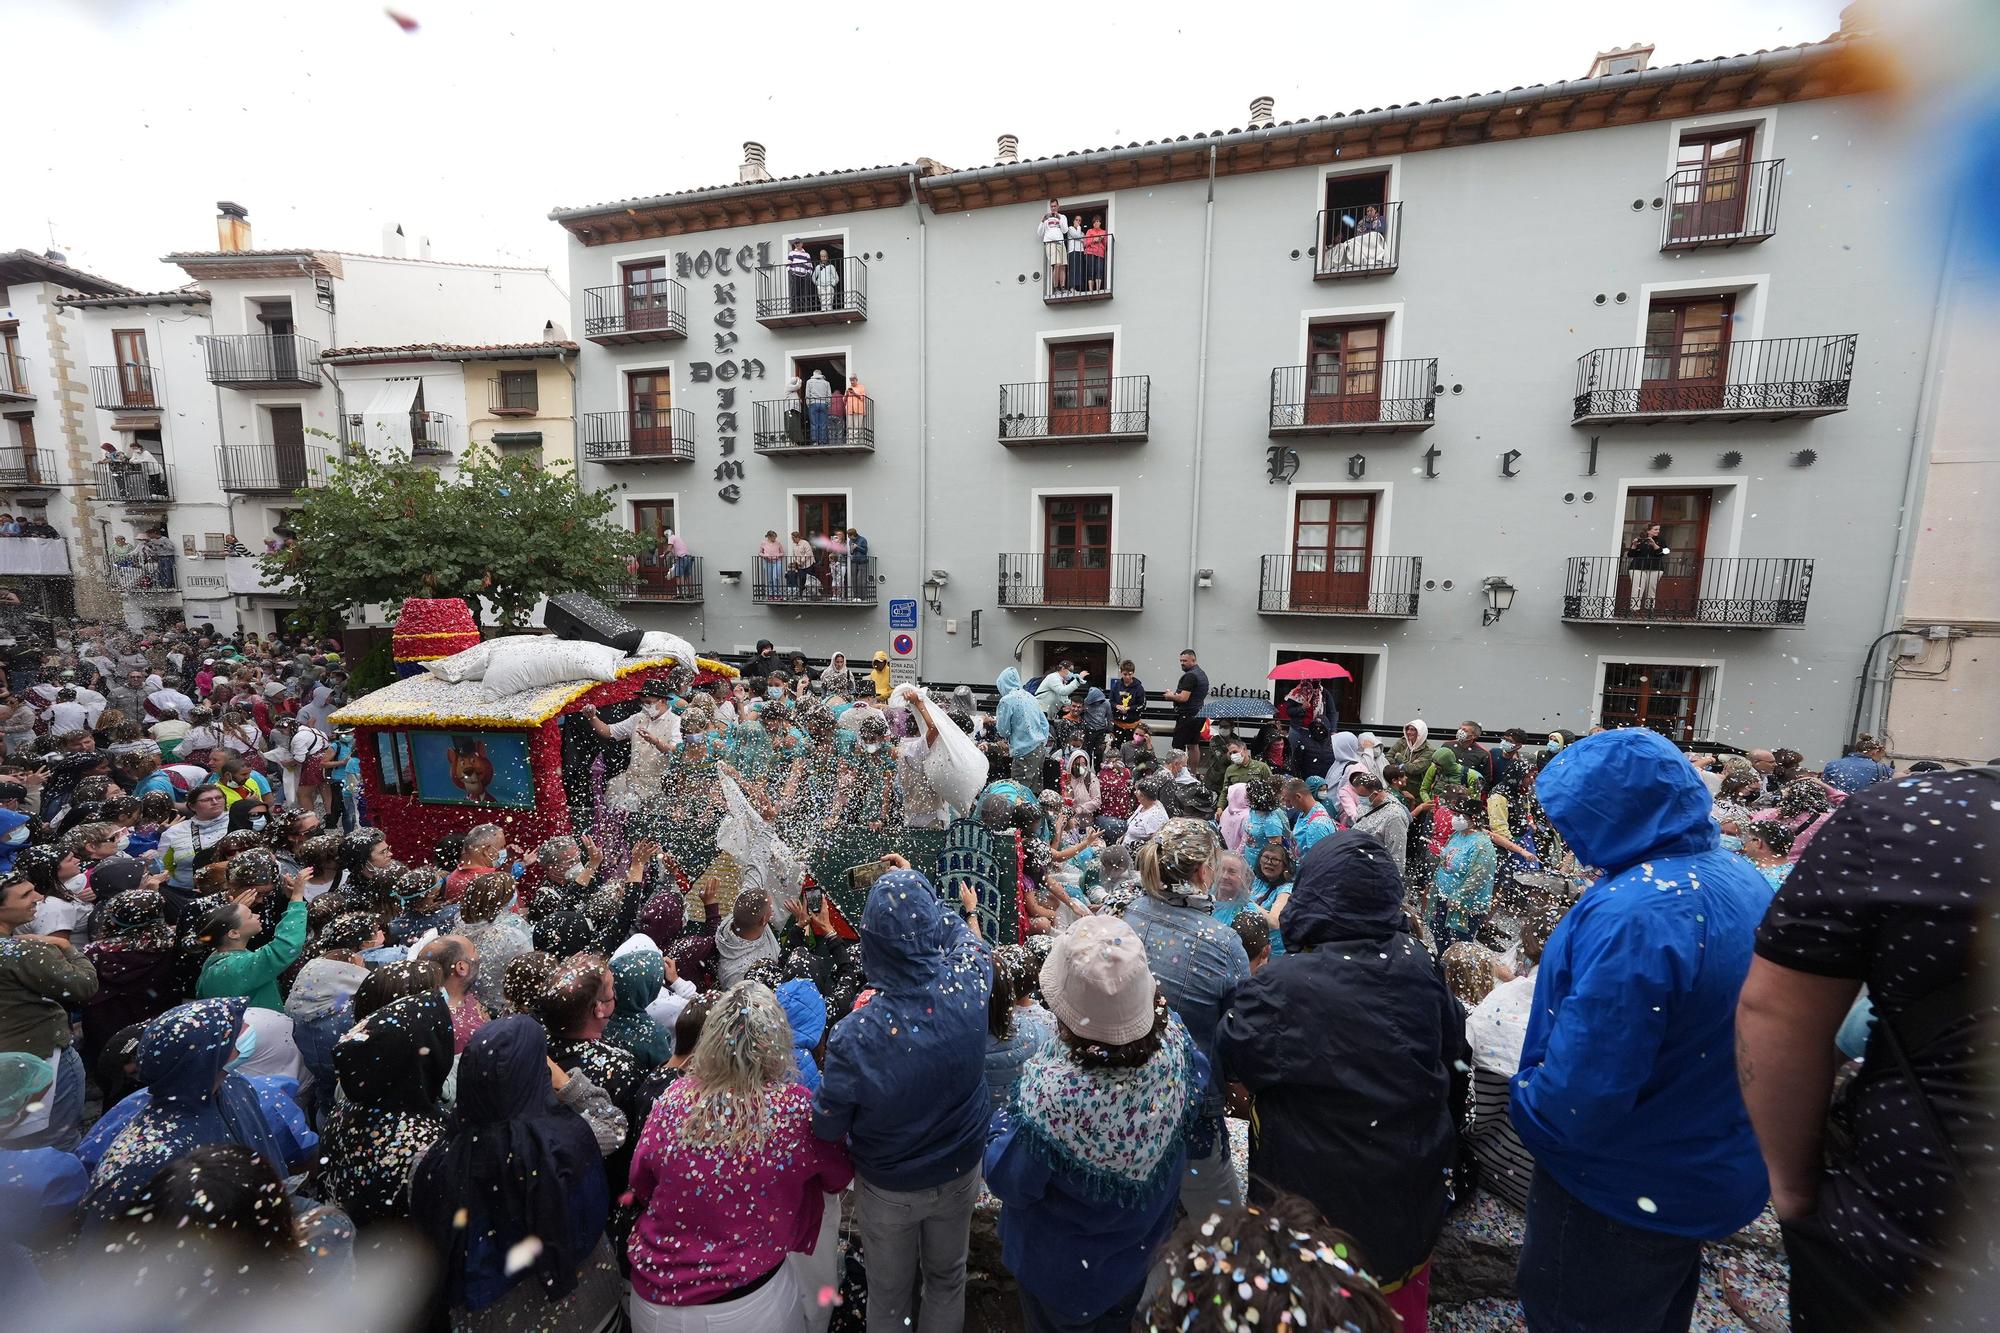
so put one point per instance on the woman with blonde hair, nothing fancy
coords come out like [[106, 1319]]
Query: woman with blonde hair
[[729, 1180]]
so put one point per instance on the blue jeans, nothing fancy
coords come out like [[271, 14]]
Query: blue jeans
[[773, 574], [1583, 1272], [816, 409]]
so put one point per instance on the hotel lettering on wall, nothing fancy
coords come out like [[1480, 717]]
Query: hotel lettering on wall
[[725, 266]]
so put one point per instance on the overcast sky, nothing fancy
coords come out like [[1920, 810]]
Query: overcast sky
[[328, 120]]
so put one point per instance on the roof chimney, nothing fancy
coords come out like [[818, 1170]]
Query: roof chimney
[[395, 245], [232, 227], [1010, 148], [1260, 112], [55, 256], [753, 164]]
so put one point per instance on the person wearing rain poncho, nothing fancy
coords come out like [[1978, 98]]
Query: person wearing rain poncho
[[392, 1067], [39, 1187]]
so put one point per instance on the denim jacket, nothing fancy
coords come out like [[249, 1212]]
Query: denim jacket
[[1198, 962]]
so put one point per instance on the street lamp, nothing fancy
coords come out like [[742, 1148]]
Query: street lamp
[[933, 586], [1499, 597]]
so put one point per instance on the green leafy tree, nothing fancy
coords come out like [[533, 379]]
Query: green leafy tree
[[506, 529]]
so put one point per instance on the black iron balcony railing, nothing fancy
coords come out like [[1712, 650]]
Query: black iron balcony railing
[[262, 360], [129, 481], [665, 578], [1757, 592], [1728, 203], [1086, 274], [1072, 411], [1358, 242], [1767, 377], [430, 435], [638, 311], [834, 293], [279, 469], [1359, 398], [14, 385], [27, 469], [1073, 578], [658, 435], [835, 425], [1338, 583], [129, 387], [519, 398], [136, 574], [834, 579]]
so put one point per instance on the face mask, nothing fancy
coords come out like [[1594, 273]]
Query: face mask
[[869, 748], [76, 882], [1459, 824], [246, 1046], [257, 821], [775, 691], [1508, 747], [1464, 735], [655, 710], [121, 841], [575, 873]]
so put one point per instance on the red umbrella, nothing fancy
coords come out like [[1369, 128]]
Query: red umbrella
[[1309, 668]]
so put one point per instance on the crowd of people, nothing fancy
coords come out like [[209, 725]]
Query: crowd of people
[[249, 1049]]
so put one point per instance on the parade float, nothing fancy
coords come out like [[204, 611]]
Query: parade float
[[477, 735]]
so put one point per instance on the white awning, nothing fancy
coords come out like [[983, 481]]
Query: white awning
[[385, 420]]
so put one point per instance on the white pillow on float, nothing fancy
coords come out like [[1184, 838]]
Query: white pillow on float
[[533, 662]]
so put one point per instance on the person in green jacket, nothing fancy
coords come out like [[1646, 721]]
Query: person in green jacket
[[235, 969]]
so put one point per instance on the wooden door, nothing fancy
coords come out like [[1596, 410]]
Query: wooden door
[[135, 376], [1686, 358], [1080, 388], [1340, 699], [1332, 540], [647, 296], [1683, 520], [283, 361], [1711, 186], [1344, 374], [1666, 699], [649, 396], [13, 375], [1076, 549], [821, 517], [288, 447], [653, 520]]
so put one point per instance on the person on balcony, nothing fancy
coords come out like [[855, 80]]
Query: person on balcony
[[1054, 232], [1096, 245], [819, 395], [826, 278], [857, 411], [770, 563], [1645, 561], [144, 478], [798, 268], [857, 560], [799, 563], [159, 548], [1076, 264]]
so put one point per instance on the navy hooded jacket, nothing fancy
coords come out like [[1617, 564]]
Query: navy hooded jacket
[[1347, 1043], [905, 1076], [1627, 1090]]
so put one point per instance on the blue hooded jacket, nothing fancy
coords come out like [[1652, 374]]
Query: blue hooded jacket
[[1018, 718], [805, 1010], [1627, 1090], [905, 1076]]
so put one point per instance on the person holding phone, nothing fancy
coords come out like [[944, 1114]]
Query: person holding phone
[[1645, 561]]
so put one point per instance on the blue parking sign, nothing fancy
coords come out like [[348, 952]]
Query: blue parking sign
[[902, 613]]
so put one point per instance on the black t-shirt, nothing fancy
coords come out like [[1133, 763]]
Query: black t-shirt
[[1897, 890], [1194, 683]]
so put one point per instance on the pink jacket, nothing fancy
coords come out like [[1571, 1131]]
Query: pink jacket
[[1235, 816], [710, 1223]]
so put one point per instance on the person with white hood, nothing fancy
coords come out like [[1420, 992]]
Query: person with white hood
[[1413, 753], [166, 700]]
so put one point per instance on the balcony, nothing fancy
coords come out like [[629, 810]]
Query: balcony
[[667, 580], [664, 435], [788, 300], [14, 386], [262, 361], [133, 386], [253, 469], [1087, 277], [1088, 411], [836, 580], [1352, 244], [1323, 583], [654, 310], [783, 427], [1758, 593], [142, 579], [27, 469], [37, 556], [1722, 204], [1091, 580], [1765, 379], [129, 483], [1378, 398], [431, 436]]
